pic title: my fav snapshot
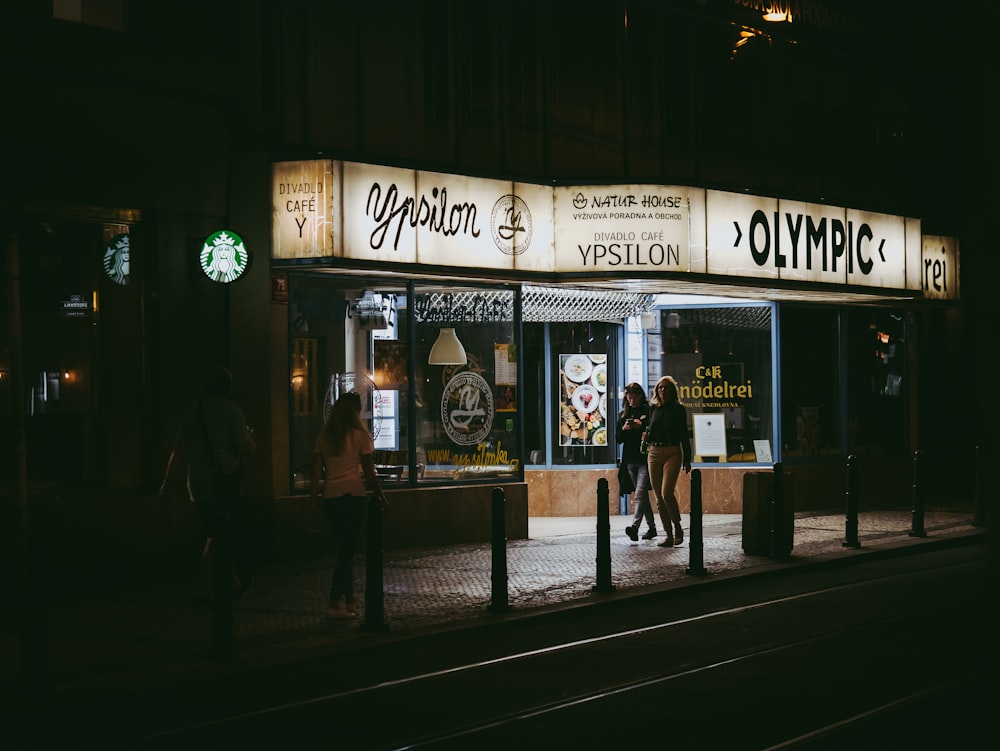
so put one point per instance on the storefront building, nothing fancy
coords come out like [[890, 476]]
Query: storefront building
[[553, 298]]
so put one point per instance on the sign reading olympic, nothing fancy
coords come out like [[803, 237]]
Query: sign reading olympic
[[467, 408]]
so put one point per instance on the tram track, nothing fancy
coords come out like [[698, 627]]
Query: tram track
[[541, 701]]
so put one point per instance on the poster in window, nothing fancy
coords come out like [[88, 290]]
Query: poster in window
[[390, 364], [709, 434], [506, 398], [583, 400]]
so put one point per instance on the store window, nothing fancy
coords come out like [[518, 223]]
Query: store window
[[583, 389], [440, 402], [466, 384], [810, 383], [720, 357], [877, 415]]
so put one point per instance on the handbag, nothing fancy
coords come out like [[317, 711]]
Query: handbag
[[625, 484]]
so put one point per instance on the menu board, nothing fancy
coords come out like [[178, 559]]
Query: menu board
[[583, 400]]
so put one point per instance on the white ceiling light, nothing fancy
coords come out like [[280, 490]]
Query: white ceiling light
[[447, 350]]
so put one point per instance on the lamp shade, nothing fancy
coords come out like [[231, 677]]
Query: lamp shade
[[447, 350]]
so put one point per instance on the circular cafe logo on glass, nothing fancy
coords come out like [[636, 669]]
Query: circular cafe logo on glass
[[224, 257], [511, 225], [467, 408]]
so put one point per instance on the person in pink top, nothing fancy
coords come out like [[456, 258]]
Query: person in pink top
[[344, 462]]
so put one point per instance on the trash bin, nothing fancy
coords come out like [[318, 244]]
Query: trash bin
[[758, 513]]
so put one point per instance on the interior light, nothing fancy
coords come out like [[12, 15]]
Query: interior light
[[447, 350]]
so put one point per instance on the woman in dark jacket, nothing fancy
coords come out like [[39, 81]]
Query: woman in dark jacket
[[669, 452], [632, 421]]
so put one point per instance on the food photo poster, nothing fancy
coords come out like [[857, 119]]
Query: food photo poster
[[583, 403]]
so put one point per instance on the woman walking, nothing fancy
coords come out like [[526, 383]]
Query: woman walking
[[632, 422], [669, 452], [343, 447]]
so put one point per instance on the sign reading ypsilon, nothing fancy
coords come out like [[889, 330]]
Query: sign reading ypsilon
[[394, 215], [626, 228], [224, 256]]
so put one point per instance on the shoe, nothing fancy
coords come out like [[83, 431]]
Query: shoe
[[338, 614], [650, 534], [351, 607], [668, 542], [678, 535], [633, 533]]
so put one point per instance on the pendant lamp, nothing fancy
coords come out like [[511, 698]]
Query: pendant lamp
[[447, 350]]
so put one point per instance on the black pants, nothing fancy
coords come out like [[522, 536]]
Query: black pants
[[345, 515]]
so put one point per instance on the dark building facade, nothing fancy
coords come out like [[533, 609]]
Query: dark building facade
[[162, 125]]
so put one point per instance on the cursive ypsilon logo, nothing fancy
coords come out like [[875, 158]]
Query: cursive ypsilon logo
[[392, 212], [511, 225], [467, 408]]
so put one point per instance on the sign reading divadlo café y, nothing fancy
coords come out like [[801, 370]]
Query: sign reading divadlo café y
[[334, 209]]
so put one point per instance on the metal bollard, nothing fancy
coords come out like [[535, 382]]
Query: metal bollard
[[374, 575], [780, 544], [979, 517], [917, 529], [603, 539], [499, 602], [853, 503], [696, 565]]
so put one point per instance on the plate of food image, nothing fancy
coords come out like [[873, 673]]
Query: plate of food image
[[604, 406], [598, 358], [600, 437], [599, 377], [586, 398], [578, 368]]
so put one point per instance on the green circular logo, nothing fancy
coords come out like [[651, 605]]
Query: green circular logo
[[224, 257]]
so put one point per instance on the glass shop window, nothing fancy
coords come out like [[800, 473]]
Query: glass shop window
[[810, 383], [721, 359], [877, 416], [465, 390], [347, 335]]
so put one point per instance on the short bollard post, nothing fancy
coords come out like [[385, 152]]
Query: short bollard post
[[780, 544], [917, 529], [696, 565], [374, 575], [979, 517], [603, 539], [499, 601], [853, 503]]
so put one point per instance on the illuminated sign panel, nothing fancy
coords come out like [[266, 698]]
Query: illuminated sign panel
[[627, 228], [302, 196], [939, 267], [774, 239], [467, 221], [382, 214]]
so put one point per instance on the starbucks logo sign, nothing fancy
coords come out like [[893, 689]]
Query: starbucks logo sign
[[224, 257], [467, 408], [116, 259]]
